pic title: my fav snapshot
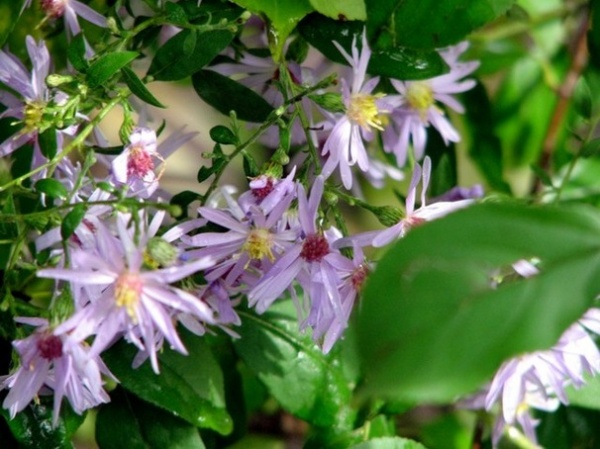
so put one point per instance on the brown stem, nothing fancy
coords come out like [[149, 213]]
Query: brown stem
[[565, 92]]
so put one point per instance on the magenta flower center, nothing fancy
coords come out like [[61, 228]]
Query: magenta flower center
[[50, 347], [359, 276], [127, 293], [140, 162], [314, 248], [54, 8], [261, 193]]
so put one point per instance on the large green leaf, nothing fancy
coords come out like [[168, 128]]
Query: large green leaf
[[186, 53], [129, 423], [9, 14], [306, 383], [429, 24], [190, 386], [33, 427], [394, 62], [227, 95], [341, 9], [432, 327], [282, 17]]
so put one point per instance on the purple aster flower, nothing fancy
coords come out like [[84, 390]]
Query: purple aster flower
[[70, 9], [252, 237], [267, 191], [31, 87], [327, 325], [136, 165], [132, 300], [58, 362], [418, 108], [313, 263], [538, 380], [413, 217], [424, 213], [345, 146]]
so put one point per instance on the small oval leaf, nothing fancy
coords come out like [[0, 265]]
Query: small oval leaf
[[71, 221], [107, 65], [52, 188]]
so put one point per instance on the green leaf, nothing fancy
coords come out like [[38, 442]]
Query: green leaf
[[76, 53], [223, 135], [186, 53], [429, 24], [587, 396], [107, 65], [9, 15], [341, 9], [190, 386], [176, 14], [130, 423], [72, 220], [307, 383], [282, 17], [33, 427], [138, 88], [389, 443], [225, 95], [183, 200], [48, 144], [52, 188], [394, 62], [431, 326]]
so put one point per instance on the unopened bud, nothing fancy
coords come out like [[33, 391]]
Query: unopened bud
[[161, 252], [55, 80], [330, 198], [388, 215], [329, 101]]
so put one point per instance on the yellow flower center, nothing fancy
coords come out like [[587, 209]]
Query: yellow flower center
[[258, 244], [420, 97], [127, 293], [363, 111], [33, 113]]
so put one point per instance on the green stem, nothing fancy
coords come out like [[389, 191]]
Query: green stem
[[273, 117], [75, 143]]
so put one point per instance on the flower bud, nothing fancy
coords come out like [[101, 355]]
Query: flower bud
[[388, 215]]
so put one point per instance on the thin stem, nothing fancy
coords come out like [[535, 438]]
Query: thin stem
[[565, 93], [271, 120], [75, 143]]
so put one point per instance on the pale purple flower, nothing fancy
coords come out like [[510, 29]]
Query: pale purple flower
[[313, 263], [345, 146], [419, 107], [538, 380], [70, 9], [413, 216], [31, 87], [252, 237], [134, 301], [267, 191], [55, 361], [136, 165]]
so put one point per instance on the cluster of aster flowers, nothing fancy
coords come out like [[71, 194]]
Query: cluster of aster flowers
[[128, 274]]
